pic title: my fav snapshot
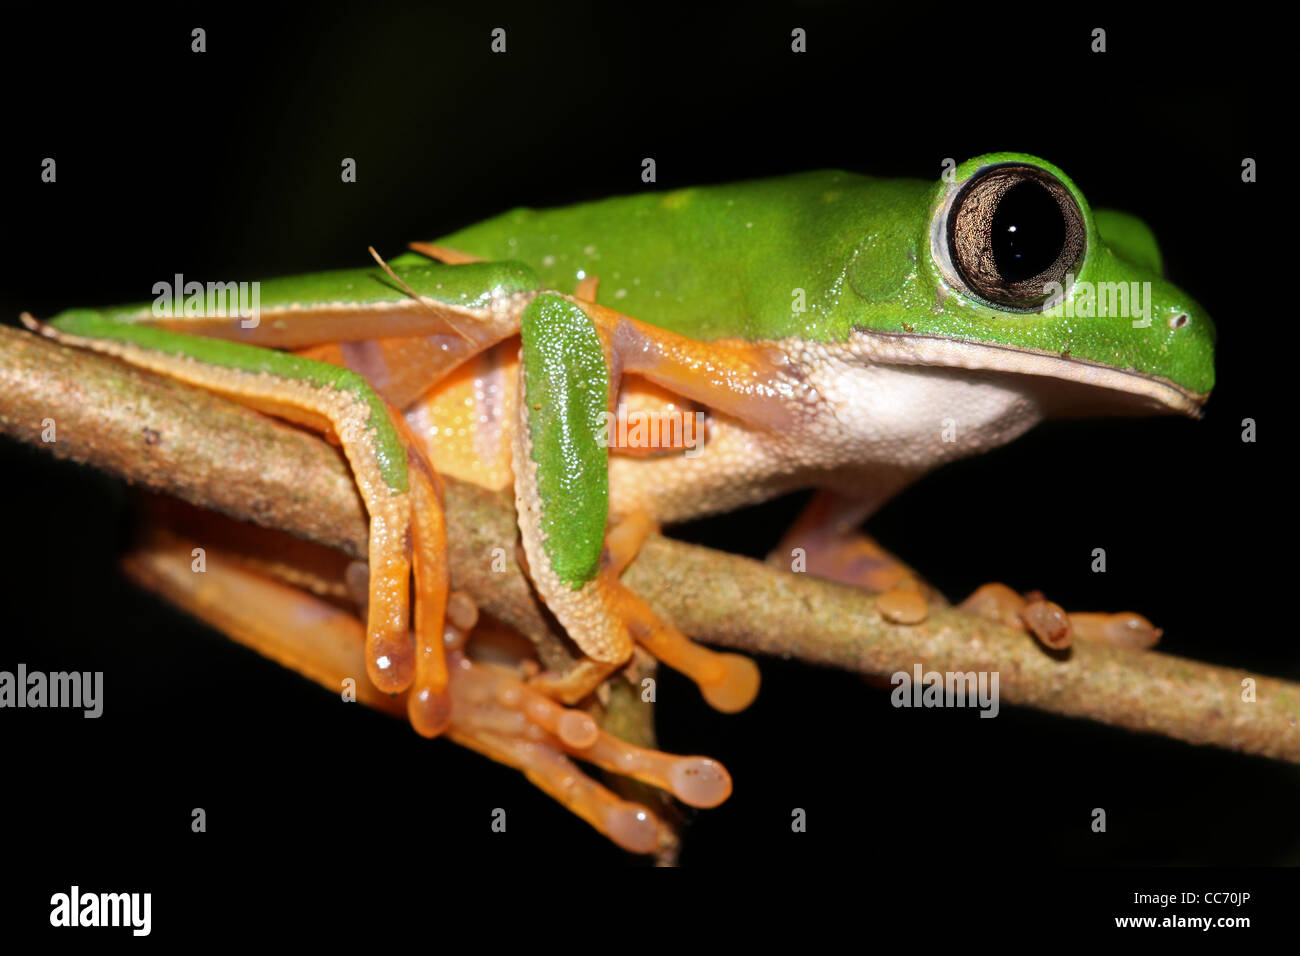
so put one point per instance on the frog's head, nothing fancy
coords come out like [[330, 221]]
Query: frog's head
[[1027, 278]]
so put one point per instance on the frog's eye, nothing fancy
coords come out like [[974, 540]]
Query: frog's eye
[[1012, 230]]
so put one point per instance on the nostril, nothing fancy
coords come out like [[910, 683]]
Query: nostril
[[1178, 321]]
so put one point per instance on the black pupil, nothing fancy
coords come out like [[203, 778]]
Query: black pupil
[[1028, 232]]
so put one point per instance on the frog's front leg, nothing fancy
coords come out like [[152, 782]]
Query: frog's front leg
[[827, 537], [833, 548], [572, 357]]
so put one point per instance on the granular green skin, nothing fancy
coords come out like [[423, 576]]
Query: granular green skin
[[470, 286], [725, 261], [566, 386], [390, 453]]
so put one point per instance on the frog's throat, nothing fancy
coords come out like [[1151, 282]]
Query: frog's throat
[[901, 348]]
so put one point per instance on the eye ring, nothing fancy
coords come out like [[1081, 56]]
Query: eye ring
[[1011, 230]]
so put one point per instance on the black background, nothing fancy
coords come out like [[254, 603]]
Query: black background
[[227, 164]]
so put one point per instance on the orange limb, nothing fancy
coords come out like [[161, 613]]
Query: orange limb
[[832, 547], [1125, 629], [729, 682], [740, 379], [1045, 620], [651, 420], [624, 540], [1056, 628], [429, 703], [492, 711], [346, 414]]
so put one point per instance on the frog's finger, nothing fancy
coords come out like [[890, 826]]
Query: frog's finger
[[1124, 629], [429, 703], [1044, 619], [630, 825], [697, 781], [321, 397], [729, 682], [501, 717], [481, 691], [1056, 628]]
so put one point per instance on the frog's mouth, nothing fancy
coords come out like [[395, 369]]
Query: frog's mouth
[[1105, 389]]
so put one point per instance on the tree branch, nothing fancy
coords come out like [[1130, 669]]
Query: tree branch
[[210, 452]]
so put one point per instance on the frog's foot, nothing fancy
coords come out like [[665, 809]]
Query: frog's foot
[[493, 711], [729, 682], [512, 722], [1054, 627], [825, 541]]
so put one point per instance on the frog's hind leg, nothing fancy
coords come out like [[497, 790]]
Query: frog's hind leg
[[386, 464], [493, 712], [568, 378]]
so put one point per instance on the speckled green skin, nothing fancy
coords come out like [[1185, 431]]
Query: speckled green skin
[[719, 262], [723, 262], [472, 286], [566, 388], [389, 450]]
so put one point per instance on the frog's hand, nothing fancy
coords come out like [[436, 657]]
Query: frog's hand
[[394, 481], [1056, 628], [493, 712], [562, 498]]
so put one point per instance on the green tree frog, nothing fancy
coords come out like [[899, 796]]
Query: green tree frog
[[652, 358]]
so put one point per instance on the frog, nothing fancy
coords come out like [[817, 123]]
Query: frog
[[823, 330]]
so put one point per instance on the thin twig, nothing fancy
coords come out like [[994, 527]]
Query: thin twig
[[208, 451]]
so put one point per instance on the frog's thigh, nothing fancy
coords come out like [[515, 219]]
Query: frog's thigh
[[562, 498]]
